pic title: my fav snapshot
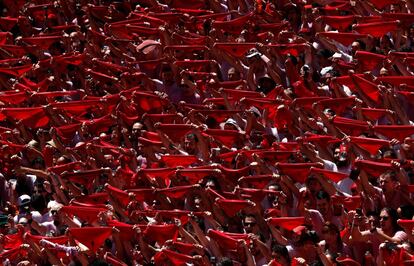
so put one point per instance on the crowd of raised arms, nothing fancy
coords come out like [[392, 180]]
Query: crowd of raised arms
[[207, 132]]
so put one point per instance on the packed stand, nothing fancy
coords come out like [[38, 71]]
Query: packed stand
[[219, 132]]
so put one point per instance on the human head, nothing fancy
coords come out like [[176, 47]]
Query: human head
[[323, 202], [388, 220]]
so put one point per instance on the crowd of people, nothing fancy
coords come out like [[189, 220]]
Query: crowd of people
[[207, 132]]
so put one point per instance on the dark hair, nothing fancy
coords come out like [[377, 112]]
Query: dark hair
[[392, 174], [282, 251], [394, 218], [323, 195], [38, 202], [407, 212], [332, 227], [308, 236], [225, 261]]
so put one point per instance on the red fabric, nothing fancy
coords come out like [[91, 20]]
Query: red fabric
[[219, 115], [397, 80], [297, 171], [288, 223], [235, 49], [231, 207], [350, 126], [91, 237], [291, 48], [226, 137], [193, 65], [161, 233], [114, 261], [257, 181], [373, 168], [175, 192], [16, 71], [178, 160], [143, 194], [13, 240], [195, 175], [376, 29], [405, 18], [32, 117], [61, 240], [350, 203], [43, 42], [369, 61], [148, 102], [275, 156], [88, 214], [307, 102], [367, 87], [234, 26], [118, 194], [373, 114], [397, 132], [340, 23], [188, 40], [174, 258], [13, 98], [369, 144], [77, 108], [256, 195], [175, 132], [334, 176], [7, 23], [83, 177], [226, 242], [338, 104], [163, 173], [407, 225], [380, 4], [344, 38]]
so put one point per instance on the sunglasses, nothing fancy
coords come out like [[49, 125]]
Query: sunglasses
[[249, 224], [385, 218]]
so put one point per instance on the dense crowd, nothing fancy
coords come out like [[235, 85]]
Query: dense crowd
[[207, 132]]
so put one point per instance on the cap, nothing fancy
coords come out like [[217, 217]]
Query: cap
[[23, 200], [54, 205]]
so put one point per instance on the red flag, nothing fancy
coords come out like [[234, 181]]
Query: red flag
[[178, 160], [61, 240], [175, 192], [176, 132], [350, 203], [231, 207], [369, 144], [32, 117], [235, 49], [373, 168], [367, 87], [161, 233], [88, 214], [225, 241], [369, 61], [373, 113], [340, 23], [297, 171], [16, 71], [7, 23], [118, 194], [288, 223], [112, 260], [174, 258], [339, 105], [257, 181], [334, 176], [290, 48], [397, 80], [350, 126], [43, 42], [377, 29], [91, 237], [380, 4], [234, 26], [397, 132], [226, 137]]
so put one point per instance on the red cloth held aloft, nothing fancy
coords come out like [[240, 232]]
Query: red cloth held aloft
[[91, 237]]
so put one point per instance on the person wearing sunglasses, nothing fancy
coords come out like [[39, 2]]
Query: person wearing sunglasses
[[389, 231]]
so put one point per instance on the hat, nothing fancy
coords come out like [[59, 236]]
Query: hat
[[252, 53], [54, 205], [23, 200]]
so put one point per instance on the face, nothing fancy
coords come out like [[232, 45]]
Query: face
[[355, 47], [329, 235], [313, 185], [233, 75], [323, 206], [249, 225], [385, 221], [387, 185], [167, 77]]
